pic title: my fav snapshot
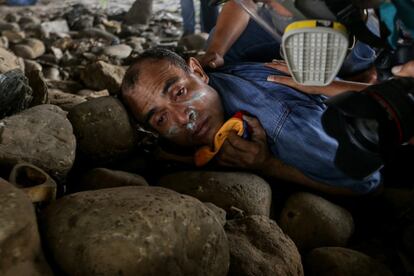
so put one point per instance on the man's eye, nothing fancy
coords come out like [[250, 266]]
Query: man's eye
[[180, 92], [160, 120]]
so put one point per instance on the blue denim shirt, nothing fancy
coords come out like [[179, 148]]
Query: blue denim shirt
[[291, 119]]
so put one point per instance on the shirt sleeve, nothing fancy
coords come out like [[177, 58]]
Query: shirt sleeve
[[302, 143]]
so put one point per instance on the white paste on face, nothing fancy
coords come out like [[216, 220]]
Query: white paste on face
[[192, 120]]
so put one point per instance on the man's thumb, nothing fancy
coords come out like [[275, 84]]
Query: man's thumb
[[405, 70]]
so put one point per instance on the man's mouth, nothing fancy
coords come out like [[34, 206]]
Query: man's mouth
[[201, 129]]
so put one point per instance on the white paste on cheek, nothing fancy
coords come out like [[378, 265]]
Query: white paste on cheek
[[172, 131], [192, 120]]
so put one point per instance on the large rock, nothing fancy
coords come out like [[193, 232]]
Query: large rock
[[312, 221], [15, 93], [41, 135], [328, 261], [64, 100], [103, 130], [8, 61], [139, 13], [244, 191], [100, 178], [20, 250], [135, 231], [30, 48], [101, 75], [259, 247], [39, 87]]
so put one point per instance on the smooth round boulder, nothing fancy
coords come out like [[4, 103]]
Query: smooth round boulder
[[103, 130], [135, 231], [244, 191], [9, 61], [20, 250], [139, 13], [312, 221], [259, 247], [42, 136], [30, 48], [100, 178], [120, 51], [338, 261]]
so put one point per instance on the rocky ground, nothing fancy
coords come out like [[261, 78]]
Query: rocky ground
[[84, 192]]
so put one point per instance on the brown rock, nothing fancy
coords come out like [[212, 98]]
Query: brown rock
[[100, 178], [245, 191], [103, 130], [312, 221], [101, 75], [66, 101], [139, 13], [14, 36], [20, 250], [328, 261], [8, 61], [42, 136], [259, 247], [135, 231], [30, 48], [39, 87]]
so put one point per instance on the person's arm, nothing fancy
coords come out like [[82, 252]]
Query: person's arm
[[333, 89], [231, 23], [405, 70], [255, 155]]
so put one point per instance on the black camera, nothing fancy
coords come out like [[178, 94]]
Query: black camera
[[389, 58], [370, 124]]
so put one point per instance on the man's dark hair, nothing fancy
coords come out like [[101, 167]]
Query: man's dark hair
[[132, 74]]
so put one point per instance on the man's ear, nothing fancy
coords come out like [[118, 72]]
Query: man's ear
[[197, 69]]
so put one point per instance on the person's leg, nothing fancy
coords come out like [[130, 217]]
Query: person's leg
[[255, 44], [188, 14], [208, 16]]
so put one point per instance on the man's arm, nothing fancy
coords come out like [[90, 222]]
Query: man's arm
[[255, 155], [231, 23], [335, 88]]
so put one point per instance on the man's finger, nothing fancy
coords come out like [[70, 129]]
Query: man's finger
[[278, 65], [258, 134], [237, 142], [405, 70]]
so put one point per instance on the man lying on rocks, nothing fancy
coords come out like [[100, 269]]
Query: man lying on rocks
[[187, 106]]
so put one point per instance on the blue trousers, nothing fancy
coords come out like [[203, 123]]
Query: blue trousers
[[208, 16]]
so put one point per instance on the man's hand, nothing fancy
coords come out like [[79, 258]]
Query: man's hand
[[405, 70], [333, 89], [211, 59], [238, 152]]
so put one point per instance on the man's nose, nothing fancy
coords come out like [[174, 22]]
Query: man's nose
[[184, 115]]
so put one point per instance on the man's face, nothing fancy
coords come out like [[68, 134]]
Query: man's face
[[180, 106]]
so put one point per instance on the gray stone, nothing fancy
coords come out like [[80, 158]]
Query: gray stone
[[42, 136], [135, 231], [103, 130], [99, 33], [30, 65], [139, 13], [8, 61], [39, 87], [65, 85], [52, 73], [220, 213], [100, 178], [259, 247], [136, 43], [20, 250], [14, 36], [30, 48], [6, 26], [66, 101], [92, 94], [57, 26], [120, 51], [328, 261], [245, 191], [4, 42], [194, 42], [312, 221], [101, 75]]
